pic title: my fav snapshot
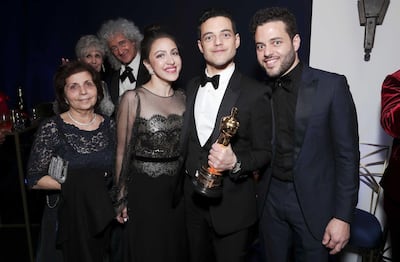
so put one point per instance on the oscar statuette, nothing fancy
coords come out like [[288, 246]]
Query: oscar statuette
[[208, 180]]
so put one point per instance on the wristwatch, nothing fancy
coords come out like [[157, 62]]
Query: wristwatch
[[236, 168]]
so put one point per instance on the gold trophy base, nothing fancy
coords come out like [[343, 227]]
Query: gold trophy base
[[208, 182]]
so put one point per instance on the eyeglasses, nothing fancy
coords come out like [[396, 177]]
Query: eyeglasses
[[121, 44]]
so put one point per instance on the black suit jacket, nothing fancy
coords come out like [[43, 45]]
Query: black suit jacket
[[326, 153], [237, 207], [142, 78]]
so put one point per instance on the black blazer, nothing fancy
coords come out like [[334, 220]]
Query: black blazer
[[237, 207], [326, 154]]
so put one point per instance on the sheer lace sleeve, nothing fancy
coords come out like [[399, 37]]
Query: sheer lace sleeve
[[44, 146], [128, 108]]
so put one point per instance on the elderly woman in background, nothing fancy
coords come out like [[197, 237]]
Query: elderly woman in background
[[91, 50], [71, 155]]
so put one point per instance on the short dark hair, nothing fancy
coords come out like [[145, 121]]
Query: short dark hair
[[65, 71], [274, 14], [214, 12]]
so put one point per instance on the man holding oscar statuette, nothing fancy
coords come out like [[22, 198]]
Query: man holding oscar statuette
[[226, 136], [208, 180]]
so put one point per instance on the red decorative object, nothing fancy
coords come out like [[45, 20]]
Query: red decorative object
[[3, 103]]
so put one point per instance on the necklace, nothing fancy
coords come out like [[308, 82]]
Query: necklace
[[80, 123]]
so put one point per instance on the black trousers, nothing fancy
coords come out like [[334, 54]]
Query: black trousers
[[283, 230], [205, 245]]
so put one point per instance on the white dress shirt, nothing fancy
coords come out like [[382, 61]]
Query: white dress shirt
[[126, 84], [207, 103]]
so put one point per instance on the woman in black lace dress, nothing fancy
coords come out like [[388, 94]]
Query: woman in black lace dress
[[149, 123], [72, 154]]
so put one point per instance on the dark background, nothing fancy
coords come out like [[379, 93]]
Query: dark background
[[37, 33]]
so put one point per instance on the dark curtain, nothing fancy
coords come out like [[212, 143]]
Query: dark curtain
[[37, 33]]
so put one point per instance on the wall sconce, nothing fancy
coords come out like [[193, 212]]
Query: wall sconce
[[371, 14]]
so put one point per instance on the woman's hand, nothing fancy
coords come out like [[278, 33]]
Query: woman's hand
[[64, 60], [123, 216]]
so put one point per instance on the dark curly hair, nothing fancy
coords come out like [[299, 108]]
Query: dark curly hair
[[65, 71], [274, 14]]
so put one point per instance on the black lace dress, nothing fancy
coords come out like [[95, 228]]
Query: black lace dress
[[78, 214], [152, 124]]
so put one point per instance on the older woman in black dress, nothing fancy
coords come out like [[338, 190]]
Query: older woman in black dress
[[72, 154]]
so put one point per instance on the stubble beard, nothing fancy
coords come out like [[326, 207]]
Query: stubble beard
[[287, 62]]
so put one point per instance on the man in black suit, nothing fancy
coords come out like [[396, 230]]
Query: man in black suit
[[310, 192], [219, 229], [123, 40]]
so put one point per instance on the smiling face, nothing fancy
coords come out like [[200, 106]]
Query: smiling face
[[218, 43], [164, 61], [80, 91], [276, 52], [122, 48]]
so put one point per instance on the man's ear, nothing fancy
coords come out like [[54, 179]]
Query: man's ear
[[296, 42], [199, 45]]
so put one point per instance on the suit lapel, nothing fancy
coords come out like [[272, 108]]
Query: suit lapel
[[143, 75], [114, 90], [228, 101], [305, 99], [191, 92]]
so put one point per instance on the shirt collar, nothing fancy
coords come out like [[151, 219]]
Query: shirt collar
[[134, 64], [292, 77]]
